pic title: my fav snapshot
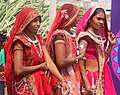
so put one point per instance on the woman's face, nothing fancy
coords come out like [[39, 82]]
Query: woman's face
[[97, 22], [34, 25]]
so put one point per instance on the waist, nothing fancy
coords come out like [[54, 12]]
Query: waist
[[92, 65]]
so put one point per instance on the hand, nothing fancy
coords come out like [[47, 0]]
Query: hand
[[43, 66], [65, 88], [111, 38], [1, 74], [87, 91]]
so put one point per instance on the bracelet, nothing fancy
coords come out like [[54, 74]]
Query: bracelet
[[76, 59], [62, 82]]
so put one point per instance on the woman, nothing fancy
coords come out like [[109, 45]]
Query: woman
[[62, 47], [27, 58], [92, 38]]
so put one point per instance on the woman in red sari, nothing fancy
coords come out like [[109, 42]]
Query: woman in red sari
[[62, 48], [92, 38], [27, 58]]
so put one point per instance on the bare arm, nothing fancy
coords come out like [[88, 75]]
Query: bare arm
[[61, 59], [53, 69], [51, 66], [82, 48], [21, 69]]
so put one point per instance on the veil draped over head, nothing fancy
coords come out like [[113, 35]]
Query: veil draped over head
[[83, 22], [24, 17], [66, 15]]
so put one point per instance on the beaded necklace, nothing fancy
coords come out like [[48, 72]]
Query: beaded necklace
[[34, 43], [71, 35], [100, 40]]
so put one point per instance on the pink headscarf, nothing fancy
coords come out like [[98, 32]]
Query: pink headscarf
[[66, 15], [83, 22], [24, 17]]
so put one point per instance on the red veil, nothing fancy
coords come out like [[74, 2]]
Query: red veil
[[66, 15], [24, 17], [63, 19]]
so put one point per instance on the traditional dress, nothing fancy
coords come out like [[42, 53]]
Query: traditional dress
[[66, 15], [34, 83], [100, 81]]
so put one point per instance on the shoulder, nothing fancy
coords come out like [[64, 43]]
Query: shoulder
[[21, 39], [59, 32], [84, 36], [59, 35], [40, 38]]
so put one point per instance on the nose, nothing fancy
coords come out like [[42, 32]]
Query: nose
[[101, 21], [38, 23]]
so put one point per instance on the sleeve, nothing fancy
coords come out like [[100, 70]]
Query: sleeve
[[82, 45], [18, 45], [59, 39]]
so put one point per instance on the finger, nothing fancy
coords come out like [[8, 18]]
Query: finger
[[108, 33]]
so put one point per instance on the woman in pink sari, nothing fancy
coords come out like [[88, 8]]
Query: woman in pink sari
[[62, 47], [92, 38], [27, 58]]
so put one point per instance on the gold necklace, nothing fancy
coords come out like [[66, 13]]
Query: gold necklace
[[98, 37]]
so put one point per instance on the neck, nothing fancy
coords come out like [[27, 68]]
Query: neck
[[29, 35], [68, 30], [94, 31]]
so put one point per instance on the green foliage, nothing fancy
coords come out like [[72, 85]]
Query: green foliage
[[10, 8]]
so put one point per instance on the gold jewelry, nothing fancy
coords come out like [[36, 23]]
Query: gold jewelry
[[34, 43]]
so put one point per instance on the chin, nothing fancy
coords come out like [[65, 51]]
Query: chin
[[35, 32]]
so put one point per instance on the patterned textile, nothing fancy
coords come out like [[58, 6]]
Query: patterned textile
[[34, 83], [66, 15], [70, 73], [108, 88]]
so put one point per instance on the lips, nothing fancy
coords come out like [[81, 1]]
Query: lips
[[100, 26], [36, 28]]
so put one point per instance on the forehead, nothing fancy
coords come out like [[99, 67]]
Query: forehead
[[38, 17], [101, 15]]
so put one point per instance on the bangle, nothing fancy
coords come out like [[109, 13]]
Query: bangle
[[62, 82], [76, 59]]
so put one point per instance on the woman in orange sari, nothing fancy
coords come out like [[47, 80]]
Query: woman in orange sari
[[62, 48], [27, 58], [92, 38]]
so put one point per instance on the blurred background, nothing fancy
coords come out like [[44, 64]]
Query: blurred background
[[47, 8]]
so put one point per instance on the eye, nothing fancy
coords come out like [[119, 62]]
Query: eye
[[37, 19], [99, 18]]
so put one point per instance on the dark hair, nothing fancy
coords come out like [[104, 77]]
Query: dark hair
[[97, 11], [2, 38]]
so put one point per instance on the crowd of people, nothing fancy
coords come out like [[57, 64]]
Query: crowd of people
[[68, 63]]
